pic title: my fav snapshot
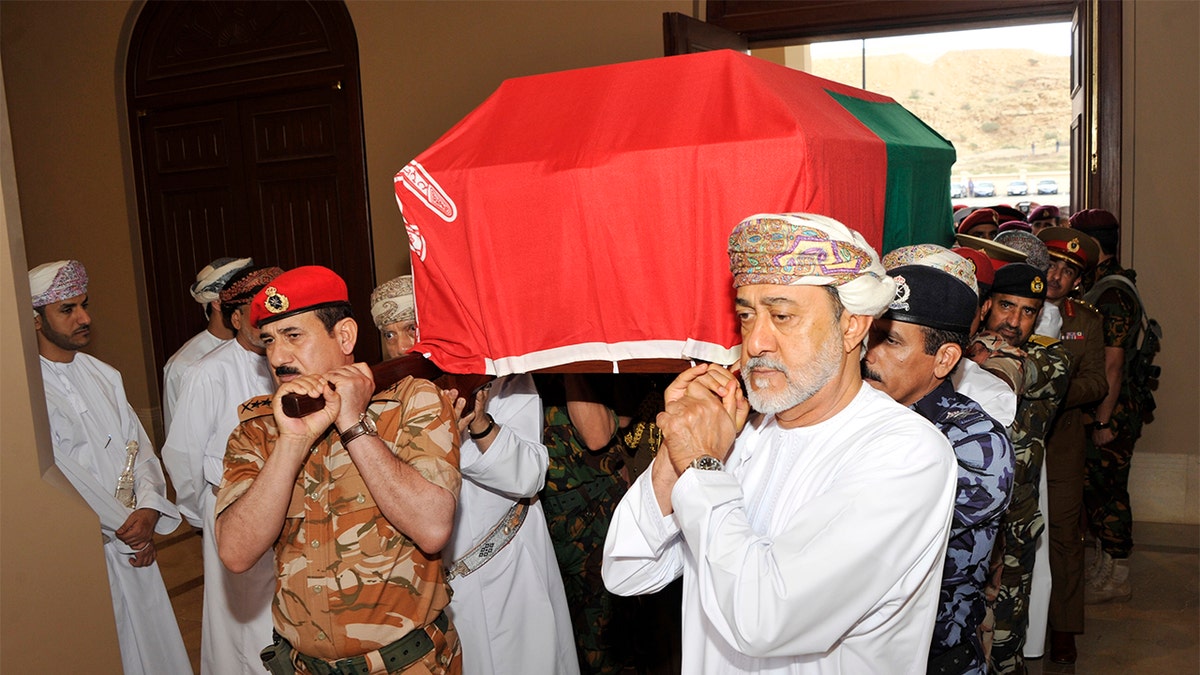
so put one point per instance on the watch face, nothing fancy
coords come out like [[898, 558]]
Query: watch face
[[708, 463], [368, 423]]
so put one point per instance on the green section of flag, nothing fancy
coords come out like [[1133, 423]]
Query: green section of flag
[[917, 206]]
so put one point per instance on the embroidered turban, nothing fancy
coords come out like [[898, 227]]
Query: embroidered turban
[[214, 276], [393, 301], [57, 281], [937, 257], [803, 249]]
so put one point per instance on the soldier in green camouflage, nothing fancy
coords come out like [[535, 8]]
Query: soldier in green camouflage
[[584, 482], [1116, 422], [1018, 292]]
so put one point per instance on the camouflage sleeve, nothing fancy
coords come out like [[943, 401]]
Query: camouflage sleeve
[[417, 421], [1121, 318], [1000, 359], [245, 455], [1047, 371]]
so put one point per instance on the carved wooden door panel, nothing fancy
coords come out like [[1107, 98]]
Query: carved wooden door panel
[[247, 141]]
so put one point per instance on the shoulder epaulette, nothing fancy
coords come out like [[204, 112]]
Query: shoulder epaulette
[[1084, 304], [258, 406], [1043, 341]]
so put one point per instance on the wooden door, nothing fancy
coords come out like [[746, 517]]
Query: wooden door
[[247, 141]]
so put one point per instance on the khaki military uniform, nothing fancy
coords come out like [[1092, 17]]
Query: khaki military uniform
[[1066, 447], [349, 582]]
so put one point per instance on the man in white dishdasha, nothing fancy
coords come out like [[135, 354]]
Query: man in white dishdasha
[[812, 539]]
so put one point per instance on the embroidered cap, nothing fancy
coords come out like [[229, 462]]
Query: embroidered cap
[[393, 301], [1027, 243], [245, 283], [937, 257]]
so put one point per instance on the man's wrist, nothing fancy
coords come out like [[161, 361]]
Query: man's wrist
[[481, 433]]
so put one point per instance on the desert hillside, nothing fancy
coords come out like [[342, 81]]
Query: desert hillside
[[1004, 109]]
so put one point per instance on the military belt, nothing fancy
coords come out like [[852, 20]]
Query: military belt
[[497, 539], [396, 656]]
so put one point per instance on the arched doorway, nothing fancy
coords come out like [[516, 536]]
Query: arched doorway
[[246, 130]]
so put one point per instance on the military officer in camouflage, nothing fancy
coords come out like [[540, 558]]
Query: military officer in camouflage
[[1072, 255], [1040, 378], [912, 349], [1116, 423], [585, 480], [357, 499]]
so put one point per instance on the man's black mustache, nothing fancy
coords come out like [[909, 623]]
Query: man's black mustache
[[868, 374], [280, 371]]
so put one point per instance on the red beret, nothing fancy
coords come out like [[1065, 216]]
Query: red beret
[[978, 217], [1016, 225], [984, 271], [298, 290], [1094, 219], [1044, 212]]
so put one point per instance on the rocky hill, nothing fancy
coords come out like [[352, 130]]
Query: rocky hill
[[1005, 110]]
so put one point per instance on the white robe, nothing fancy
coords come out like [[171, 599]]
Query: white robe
[[992, 394], [90, 423], [1050, 325], [173, 370], [237, 620], [818, 549], [511, 613]]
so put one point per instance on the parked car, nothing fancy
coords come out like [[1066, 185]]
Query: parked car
[[957, 191], [1018, 187], [985, 189], [1047, 187]]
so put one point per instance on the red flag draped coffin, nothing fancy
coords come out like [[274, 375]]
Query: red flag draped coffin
[[584, 215]]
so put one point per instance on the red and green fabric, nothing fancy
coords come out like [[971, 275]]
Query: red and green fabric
[[584, 215]]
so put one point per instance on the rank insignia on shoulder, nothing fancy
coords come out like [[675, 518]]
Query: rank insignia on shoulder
[[1043, 341], [255, 407]]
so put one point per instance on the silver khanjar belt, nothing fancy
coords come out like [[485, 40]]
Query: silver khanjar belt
[[497, 539]]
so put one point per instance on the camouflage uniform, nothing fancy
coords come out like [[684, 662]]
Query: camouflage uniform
[[1044, 385], [1106, 488], [985, 473], [1065, 451], [581, 492], [349, 582]]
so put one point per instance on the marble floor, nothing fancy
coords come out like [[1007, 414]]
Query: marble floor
[[1157, 632]]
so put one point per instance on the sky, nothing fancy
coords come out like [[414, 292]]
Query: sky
[[1053, 39]]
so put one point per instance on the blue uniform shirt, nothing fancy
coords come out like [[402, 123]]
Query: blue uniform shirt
[[985, 478]]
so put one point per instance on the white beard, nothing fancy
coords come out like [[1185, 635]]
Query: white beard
[[801, 383]]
